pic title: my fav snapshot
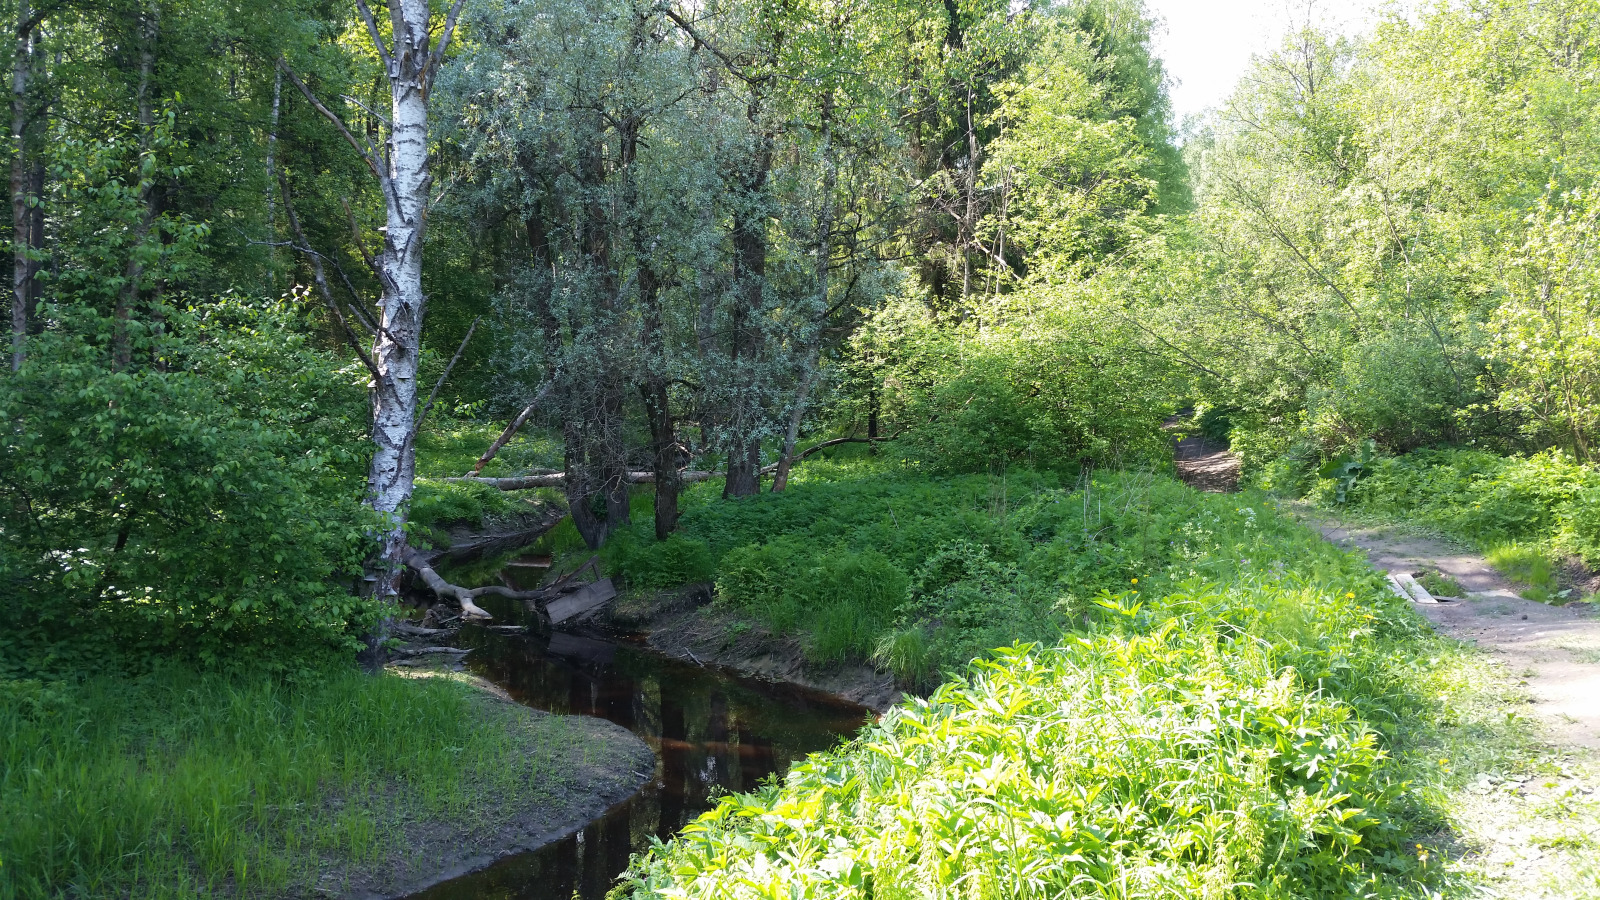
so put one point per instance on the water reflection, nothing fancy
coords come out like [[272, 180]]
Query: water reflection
[[713, 732]]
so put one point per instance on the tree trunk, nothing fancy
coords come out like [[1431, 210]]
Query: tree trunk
[[21, 221], [397, 348], [780, 479], [122, 345], [750, 272]]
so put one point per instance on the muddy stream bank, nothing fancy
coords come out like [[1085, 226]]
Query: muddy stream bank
[[713, 730]]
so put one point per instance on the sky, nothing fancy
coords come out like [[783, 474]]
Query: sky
[[1207, 44]]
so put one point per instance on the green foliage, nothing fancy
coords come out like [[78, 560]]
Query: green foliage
[[445, 503], [1441, 585], [1191, 745], [1545, 500], [1052, 388], [660, 564], [181, 785], [201, 501], [871, 560]]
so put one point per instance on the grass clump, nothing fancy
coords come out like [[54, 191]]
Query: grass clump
[[1527, 565], [180, 784], [1440, 585]]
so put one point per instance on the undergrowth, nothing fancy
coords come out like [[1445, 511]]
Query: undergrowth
[[1234, 736], [1525, 513], [922, 573], [180, 785]]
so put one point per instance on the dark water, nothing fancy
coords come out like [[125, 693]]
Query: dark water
[[712, 731]]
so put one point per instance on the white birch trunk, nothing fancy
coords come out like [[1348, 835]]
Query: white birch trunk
[[405, 182]]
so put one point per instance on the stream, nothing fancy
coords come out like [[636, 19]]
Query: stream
[[713, 732]]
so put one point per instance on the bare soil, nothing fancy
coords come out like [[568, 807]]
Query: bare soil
[[1553, 650], [1207, 465]]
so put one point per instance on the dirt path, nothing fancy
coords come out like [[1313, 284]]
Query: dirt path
[[1202, 463], [1555, 650]]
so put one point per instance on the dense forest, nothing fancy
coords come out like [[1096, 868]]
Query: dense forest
[[871, 324]]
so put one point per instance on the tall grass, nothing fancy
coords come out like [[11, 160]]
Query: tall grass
[[187, 785]]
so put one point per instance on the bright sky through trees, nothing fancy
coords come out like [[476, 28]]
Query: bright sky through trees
[[1207, 44]]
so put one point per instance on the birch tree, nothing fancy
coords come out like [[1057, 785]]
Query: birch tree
[[402, 168]]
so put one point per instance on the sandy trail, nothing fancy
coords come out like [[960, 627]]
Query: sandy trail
[[1555, 650]]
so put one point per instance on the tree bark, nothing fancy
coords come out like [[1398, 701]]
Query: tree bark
[[21, 220], [402, 171], [786, 461], [396, 349]]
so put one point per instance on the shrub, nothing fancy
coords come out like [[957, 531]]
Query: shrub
[[201, 501]]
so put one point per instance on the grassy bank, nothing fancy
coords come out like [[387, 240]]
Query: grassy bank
[[1527, 514], [869, 560], [179, 785], [1256, 717]]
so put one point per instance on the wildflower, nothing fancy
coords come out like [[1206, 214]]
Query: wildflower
[[1136, 581], [1350, 595]]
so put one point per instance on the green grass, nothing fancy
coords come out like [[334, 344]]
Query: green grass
[[1441, 585], [186, 785], [1527, 565]]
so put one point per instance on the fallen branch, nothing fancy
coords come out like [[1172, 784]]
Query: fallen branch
[[844, 440], [428, 407], [557, 479], [464, 596], [511, 429]]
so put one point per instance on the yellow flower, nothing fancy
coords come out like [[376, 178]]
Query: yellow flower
[[1350, 596], [1136, 581]]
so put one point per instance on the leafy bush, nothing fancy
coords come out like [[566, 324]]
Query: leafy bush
[[202, 500], [1050, 391]]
